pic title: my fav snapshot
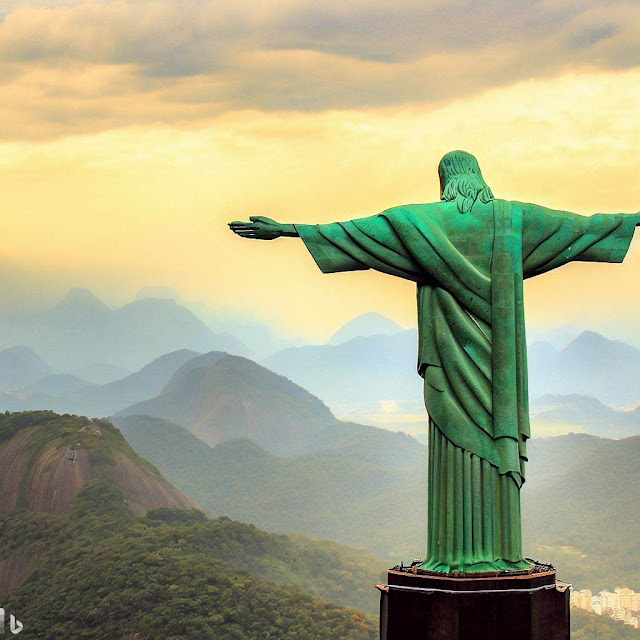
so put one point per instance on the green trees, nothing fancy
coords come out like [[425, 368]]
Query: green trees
[[107, 575]]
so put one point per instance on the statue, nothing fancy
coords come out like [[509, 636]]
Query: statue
[[468, 254]]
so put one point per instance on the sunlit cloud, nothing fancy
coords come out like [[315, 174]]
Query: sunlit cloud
[[80, 67]]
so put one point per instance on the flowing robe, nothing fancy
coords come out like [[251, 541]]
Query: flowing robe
[[469, 269]]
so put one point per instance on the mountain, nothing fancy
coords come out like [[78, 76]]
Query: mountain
[[367, 324], [53, 385], [20, 366], [139, 332], [36, 473], [41, 331], [81, 331], [371, 378], [65, 393], [590, 365], [82, 530], [366, 369], [589, 626], [219, 397], [77, 306], [584, 413], [363, 486], [106, 399]]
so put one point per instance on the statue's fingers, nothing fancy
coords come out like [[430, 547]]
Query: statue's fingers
[[244, 225]]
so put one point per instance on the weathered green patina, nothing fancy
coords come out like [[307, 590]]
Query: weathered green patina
[[468, 254]]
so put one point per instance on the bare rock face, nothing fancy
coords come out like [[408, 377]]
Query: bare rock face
[[46, 459]]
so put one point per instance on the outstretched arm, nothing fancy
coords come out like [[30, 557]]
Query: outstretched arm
[[553, 238], [354, 245], [261, 228]]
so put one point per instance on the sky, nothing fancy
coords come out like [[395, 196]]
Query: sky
[[132, 132]]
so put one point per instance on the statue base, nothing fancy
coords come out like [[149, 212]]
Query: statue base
[[421, 605]]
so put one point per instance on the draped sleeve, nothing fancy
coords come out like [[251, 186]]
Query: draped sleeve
[[553, 238], [364, 243]]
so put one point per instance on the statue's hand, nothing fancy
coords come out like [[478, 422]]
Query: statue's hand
[[259, 228]]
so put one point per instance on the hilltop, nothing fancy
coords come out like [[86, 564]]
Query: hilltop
[[219, 397], [97, 546], [46, 459]]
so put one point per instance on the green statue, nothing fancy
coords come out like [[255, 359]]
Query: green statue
[[468, 254]]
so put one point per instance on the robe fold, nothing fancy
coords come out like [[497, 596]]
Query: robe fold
[[469, 269]]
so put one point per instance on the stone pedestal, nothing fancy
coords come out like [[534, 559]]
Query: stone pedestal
[[417, 605]]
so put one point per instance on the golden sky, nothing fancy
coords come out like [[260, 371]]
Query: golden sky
[[131, 132]]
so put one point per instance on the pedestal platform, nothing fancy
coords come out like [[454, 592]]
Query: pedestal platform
[[419, 605]]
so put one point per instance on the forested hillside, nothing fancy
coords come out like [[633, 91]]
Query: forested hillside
[[102, 564]]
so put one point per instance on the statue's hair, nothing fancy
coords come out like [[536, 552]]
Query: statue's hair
[[461, 180]]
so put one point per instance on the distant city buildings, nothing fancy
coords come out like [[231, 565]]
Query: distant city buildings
[[622, 604]]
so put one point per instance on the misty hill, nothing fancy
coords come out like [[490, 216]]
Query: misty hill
[[356, 376], [220, 397], [42, 330], [77, 306], [366, 369], [365, 325], [65, 393], [141, 331], [261, 338], [364, 488], [166, 572], [105, 400], [81, 331], [585, 414], [580, 500], [590, 365], [20, 366], [52, 385]]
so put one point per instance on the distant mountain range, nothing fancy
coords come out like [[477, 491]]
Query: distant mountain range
[[371, 379], [68, 394], [20, 366], [355, 376], [81, 331], [590, 365], [584, 413], [364, 369]]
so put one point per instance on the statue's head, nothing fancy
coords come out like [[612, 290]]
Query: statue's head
[[461, 180]]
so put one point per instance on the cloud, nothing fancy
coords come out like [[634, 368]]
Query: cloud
[[75, 67]]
